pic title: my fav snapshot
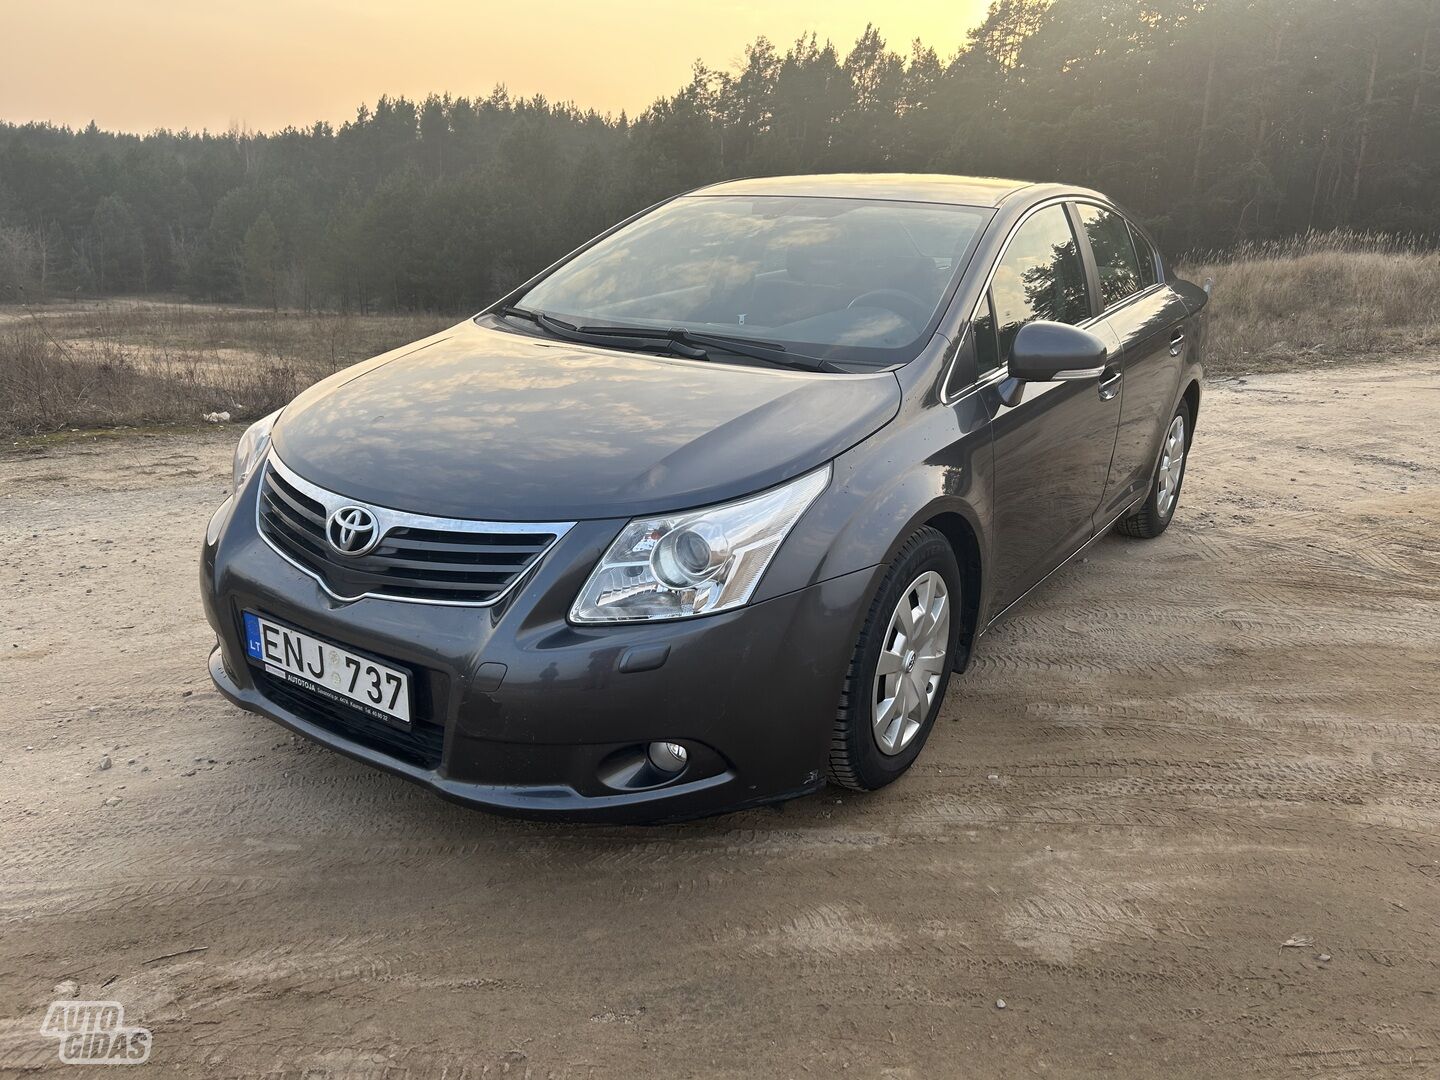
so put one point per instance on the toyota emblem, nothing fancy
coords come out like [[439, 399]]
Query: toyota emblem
[[351, 530]]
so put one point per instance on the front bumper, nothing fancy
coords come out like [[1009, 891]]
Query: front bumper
[[522, 713]]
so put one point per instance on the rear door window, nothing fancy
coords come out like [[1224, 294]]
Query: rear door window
[[1115, 258]]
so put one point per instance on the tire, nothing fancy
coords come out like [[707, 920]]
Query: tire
[[1155, 515], [857, 759]]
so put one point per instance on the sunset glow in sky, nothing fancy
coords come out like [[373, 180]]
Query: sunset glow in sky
[[136, 65]]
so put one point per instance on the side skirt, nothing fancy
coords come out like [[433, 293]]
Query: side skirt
[[1129, 509]]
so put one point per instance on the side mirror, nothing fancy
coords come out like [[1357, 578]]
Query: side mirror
[[1044, 351]]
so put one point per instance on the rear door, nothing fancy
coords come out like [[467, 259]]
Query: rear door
[[1053, 445], [1148, 318]]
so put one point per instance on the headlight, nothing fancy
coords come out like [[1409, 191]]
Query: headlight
[[251, 449], [694, 563]]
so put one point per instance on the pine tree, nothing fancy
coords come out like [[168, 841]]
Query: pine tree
[[260, 259]]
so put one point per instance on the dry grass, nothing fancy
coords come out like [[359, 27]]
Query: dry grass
[[1317, 299], [140, 364]]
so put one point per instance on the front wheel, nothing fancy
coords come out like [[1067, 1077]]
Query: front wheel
[[1154, 516], [900, 667]]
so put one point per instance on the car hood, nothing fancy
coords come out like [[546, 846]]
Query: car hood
[[487, 424]]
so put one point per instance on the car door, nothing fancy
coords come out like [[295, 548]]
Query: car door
[[1054, 440], [1148, 318]]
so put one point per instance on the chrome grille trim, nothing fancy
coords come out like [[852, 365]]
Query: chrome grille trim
[[438, 537]]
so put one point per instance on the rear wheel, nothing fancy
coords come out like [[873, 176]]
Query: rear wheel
[[900, 667], [1154, 516]]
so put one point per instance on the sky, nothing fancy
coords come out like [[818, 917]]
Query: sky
[[137, 65]]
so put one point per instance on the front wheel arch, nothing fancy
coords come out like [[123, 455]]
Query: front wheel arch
[[857, 759], [957, 529]]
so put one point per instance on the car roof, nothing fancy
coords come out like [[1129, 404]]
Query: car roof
[[900, 187]]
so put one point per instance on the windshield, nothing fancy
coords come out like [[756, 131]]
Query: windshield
[[856, 282]]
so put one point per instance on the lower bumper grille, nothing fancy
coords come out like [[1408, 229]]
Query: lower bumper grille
[[422, 745]]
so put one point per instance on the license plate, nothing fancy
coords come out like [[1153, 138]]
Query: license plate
[[327, 669]]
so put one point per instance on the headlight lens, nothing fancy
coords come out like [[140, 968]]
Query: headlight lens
[[694, 563], [251, 449]]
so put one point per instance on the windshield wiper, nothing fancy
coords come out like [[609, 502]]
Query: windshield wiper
[[690, 343], [585, 335], [769, 351]]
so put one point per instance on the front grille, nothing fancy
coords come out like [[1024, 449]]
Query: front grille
[[422, 745], [451, 565]]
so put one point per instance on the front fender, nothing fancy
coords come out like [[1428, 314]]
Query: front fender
[[932, 460]]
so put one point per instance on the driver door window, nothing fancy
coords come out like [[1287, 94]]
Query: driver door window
[[1040, 276]]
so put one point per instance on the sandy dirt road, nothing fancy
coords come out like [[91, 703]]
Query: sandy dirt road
[[1177, 756]]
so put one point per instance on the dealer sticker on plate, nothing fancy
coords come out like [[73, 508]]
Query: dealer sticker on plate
[[328, 670]]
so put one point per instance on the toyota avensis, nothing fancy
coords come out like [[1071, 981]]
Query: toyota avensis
[[708, 512]]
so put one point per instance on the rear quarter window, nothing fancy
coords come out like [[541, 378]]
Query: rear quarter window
[[1149, 274]]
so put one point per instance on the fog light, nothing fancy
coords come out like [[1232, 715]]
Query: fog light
[[668, 757]]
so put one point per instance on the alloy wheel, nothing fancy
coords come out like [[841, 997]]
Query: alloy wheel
[[912, 662], [1172, 466]]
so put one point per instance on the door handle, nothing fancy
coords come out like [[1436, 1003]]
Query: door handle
[[1177, 341], [1110, 386]]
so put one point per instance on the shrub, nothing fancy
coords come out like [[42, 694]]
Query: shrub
[[1318, 298], [144, 364]]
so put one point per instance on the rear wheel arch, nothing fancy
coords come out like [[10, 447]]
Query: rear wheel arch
[[1191, 397], [1157, 510]]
